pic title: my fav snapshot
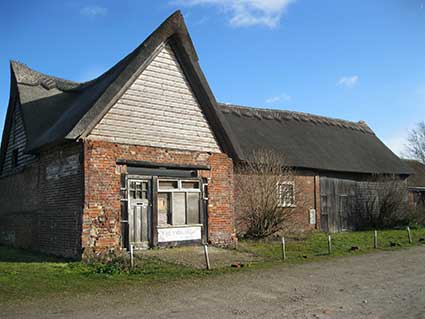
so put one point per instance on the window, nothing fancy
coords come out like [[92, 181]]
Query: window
[[285, 194], [167, 184], [15, 158], [178, 202]]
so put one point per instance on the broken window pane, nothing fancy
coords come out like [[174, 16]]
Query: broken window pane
[[190, 185], [164, 208], [168, 184]]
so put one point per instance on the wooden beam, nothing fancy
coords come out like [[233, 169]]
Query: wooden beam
[[148, 164]]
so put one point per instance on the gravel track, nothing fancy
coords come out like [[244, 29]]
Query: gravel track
[[380, 285]]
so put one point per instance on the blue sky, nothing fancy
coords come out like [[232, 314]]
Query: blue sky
[[350, 59]]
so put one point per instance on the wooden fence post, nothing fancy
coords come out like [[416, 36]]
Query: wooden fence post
[[131, 256], [375, 239], [329, 244], [283, 248], [409, 234], [207, 258]]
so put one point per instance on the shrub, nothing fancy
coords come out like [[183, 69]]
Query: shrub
[[380, 203], [262, 186], [107, 262]]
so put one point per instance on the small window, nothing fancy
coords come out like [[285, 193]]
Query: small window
[[15, 158], [285, 195], [190, 185], [168, 184]]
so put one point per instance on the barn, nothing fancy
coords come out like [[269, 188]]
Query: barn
[[331, 158], [143, 155]]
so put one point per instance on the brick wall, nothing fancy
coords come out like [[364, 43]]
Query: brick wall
[[307, 196], [101, 218], [41, 206]]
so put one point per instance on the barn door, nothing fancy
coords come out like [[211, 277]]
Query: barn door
[[324, 213], [343, 212], [139, 213]]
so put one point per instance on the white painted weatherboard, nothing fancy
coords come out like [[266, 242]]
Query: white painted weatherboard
[[159, 109], [169, 234]]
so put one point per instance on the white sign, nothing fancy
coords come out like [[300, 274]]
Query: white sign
[[312, 216], [179, 233]]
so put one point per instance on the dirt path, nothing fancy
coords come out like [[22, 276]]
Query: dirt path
[[381, 285]]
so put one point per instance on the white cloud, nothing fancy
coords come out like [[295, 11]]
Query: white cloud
[[279, 98], [247, 12], [348, 81], [93, 11]]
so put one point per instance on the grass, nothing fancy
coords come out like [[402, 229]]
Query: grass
[[26, 275], [315, 246]]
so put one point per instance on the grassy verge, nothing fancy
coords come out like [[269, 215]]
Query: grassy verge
[[315, 246], [25, 275]]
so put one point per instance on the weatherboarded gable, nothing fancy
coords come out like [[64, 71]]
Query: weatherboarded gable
[[159, 109], [15, 157]]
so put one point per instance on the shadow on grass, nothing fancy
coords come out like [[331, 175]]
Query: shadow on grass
[[13, 255]]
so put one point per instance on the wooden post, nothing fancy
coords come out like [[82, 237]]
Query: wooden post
[[131, 256], [409, 234], [207, 258], [283, 249], [375, 239], [329, 244]]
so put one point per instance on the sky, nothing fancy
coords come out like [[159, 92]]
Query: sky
[[349, 59]]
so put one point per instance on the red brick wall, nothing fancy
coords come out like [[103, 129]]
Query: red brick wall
[[305, 199], [41, 206], [101, 219], [307, 196]]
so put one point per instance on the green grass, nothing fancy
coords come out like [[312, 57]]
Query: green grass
[[315, 246], [26, 275]]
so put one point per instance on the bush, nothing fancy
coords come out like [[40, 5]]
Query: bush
[[380, 203], [109, 262]]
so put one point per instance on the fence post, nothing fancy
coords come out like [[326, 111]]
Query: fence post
[[375, 239], [207, 258], [409, 234], [131, 256], [329, 244], [283, 248]]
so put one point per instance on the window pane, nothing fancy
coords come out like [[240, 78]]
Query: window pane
[[179, 208], [193, 208], [164, 208], [286, 195], [167, 184], [191, 185]]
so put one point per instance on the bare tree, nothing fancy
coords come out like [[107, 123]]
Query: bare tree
[[416, 142], [264, 193]]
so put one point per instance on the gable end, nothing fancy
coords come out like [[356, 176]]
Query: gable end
[[158, 109]]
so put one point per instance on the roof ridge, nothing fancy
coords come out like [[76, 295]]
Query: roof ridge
[[277, 114], [28, 76]]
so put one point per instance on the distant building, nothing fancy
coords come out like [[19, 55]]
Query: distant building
[[416, 183]]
